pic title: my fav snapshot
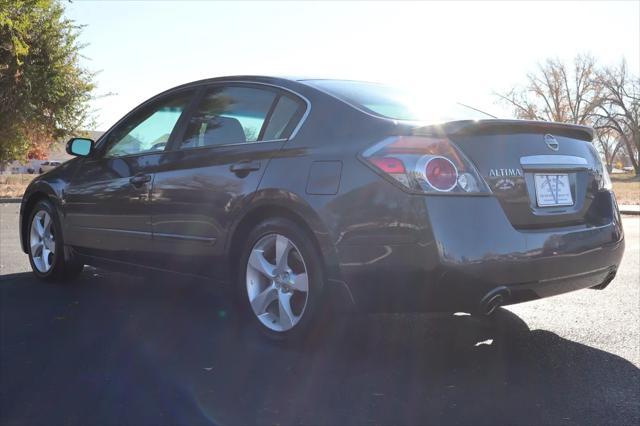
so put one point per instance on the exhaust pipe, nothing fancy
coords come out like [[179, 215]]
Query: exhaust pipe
[[493, 300], [492, 304], [606, 281]]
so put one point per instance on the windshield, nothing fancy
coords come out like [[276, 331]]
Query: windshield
[[397, 104]]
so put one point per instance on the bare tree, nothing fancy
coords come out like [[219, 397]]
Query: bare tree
[[607, 99], [619, 109], [610, 145], [556, 92]]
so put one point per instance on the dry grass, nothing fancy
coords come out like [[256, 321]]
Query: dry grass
[[13, 186], [626, 187]]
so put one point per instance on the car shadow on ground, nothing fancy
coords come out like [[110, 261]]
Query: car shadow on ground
[[114, 349]]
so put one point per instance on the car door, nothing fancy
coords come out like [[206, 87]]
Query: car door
[[213, 168], [107, 210]]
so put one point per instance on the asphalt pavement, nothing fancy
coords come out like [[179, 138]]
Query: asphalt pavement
[[113, 349]]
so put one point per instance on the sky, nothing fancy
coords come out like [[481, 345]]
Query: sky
[[463, 51]]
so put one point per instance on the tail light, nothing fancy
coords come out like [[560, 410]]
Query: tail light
[[604, 181], [441, 173], [426, 165]]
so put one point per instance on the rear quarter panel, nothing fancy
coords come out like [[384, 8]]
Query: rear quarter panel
[[365, 210]]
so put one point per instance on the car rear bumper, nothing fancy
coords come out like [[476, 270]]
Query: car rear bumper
[[466, 251]]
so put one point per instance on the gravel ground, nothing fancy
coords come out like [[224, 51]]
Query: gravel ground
[[116, 350]]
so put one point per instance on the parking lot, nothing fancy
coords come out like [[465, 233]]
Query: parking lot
[[114, 349]]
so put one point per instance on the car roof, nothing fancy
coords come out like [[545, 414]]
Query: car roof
[[285, 81]]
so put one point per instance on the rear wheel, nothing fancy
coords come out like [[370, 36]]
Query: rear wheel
[[280, 279], [46, 248]]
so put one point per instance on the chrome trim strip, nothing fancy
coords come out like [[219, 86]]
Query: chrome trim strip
[[205, 240], [225, 145], [152, 235], [564, 162], [116, 231]]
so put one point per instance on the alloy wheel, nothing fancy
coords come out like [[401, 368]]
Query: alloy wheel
[[277, 282], [42, 241]]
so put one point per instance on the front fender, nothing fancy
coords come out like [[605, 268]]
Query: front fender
[[51, 186]]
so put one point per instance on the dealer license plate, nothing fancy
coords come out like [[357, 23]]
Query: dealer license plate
[[553, 190]]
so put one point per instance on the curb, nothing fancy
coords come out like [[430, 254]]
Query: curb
[[634, 212], [10, 200]]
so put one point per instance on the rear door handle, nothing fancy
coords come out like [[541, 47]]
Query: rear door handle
[[139, 180], [245, 166]]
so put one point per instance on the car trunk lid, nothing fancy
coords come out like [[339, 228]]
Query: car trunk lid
[[543, 174]]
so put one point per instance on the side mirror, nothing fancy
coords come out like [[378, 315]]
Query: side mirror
[[81, 147]]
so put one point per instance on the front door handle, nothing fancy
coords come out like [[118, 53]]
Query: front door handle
[[245, 166], [139, 180]]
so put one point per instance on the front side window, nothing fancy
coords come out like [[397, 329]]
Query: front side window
[[228, 115], [149, 130]]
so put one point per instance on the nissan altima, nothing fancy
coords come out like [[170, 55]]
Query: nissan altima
[[303, 193]]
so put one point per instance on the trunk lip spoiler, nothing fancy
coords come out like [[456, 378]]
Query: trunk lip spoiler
[[464, 127], [553, 162]]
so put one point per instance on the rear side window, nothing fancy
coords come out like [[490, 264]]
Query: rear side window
[[282, 118], [228, 115]]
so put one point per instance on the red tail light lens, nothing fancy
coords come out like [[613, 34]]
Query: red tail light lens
[[388, 164], [426, 164], [441, 174]]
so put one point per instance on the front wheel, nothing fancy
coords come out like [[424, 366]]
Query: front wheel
[[46, 248], [280, 278]]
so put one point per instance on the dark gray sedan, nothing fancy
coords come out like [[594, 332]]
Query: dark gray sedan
[[301, 193]]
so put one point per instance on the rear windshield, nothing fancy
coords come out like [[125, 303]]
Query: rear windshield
[[397, 104]]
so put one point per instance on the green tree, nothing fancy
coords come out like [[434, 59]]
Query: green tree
[[44, 91]]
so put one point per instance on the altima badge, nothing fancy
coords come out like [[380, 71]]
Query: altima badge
[[551, 142], [505, 172]]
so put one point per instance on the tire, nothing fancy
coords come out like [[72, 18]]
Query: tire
[[45, 246], [285, 284]]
